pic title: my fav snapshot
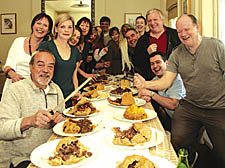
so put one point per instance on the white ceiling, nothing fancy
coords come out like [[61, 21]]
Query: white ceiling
[[65, 5]]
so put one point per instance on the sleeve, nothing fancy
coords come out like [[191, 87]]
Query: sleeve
[[221, 54], [13, 51], [177, 89], [173, 62], [10, 118]]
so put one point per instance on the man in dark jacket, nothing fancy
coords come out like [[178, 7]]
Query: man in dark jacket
[[159, 38]]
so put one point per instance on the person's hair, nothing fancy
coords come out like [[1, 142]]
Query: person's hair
[[60, 19], [122, 32], [193, 18], [78, 29], [39, 51], [163, 56], [105, 19], [40, 16], [131, 29], [85, 20], [141, 17], [155, 10], [112, 30]]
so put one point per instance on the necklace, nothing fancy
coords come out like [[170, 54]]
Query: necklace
[[30, 47]]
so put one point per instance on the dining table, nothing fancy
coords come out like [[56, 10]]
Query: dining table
[[110, 155]]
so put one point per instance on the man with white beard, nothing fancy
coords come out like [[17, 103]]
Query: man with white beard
[[25, 117]]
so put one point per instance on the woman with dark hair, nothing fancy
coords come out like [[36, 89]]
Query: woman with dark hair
[[17, 64], [85, 70], [75, 39], [114, 53], [141, 24]]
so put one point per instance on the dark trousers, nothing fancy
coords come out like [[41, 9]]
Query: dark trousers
[[186, 122], [164, 118], [23, 164]]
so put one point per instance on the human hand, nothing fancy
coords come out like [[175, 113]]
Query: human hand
[[15, 76], [152, 48], [106, 64], [41, 118], [146, 98], [139, 81], [57, 117], [106, 49]]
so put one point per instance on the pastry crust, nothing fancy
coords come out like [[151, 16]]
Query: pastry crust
[[69, 151], [126, 100], [83, 108], [138, 133], [124, 83], [136, 161], [134, 112], [78, 126]]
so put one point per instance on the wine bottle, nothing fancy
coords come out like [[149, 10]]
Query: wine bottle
[[183, 159]]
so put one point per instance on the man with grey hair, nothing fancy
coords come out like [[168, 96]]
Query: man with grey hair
[[201, 63], [25, 117], [159, 38]]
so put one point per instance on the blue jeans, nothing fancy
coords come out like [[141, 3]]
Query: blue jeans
[[188, 119]]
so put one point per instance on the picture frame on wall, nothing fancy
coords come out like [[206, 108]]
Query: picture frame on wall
[[186, 6], [8, 23], [130, 18]]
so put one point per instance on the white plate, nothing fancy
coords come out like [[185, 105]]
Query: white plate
[[138, 101], [158, 161], [150, 115], [133, 90], [71, 115], [106, 88], [151, 143], [58, 129], [40, 155], [102, 96]]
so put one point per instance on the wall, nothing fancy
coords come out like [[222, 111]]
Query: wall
[[25, 10], [117, 8]]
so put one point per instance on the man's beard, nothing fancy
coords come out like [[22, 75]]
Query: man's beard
[[43, 81]]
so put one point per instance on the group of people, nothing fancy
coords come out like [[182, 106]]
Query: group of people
[[179, 71]]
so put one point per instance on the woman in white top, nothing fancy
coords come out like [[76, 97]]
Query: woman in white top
[[17, 64]]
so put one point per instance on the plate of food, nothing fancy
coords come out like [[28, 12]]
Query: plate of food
[[63, 153], [143, 160], [84, 108], [77, 127], [95, 95], [134, 113], [126, 100], [119, 91], [98, 87], [136, 136]]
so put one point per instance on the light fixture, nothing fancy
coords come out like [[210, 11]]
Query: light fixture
[[80, 5]]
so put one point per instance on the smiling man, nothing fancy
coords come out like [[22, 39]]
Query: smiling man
[[25, 112], [167, 99], [201, 63], [158, 38]]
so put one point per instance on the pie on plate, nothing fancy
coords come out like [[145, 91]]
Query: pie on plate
[[94, 95], [83, 108], [66, 153], [126, 100], [137, 133], [137, 161], [78, 127]]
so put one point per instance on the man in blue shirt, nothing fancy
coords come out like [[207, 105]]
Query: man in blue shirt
[[167, 99]]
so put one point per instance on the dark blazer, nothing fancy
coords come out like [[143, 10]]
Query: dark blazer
[[141, 56]]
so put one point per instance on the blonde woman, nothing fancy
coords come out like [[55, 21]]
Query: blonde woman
[[67, 57]]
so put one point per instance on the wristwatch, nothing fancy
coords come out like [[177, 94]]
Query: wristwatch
[[152, 94]]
